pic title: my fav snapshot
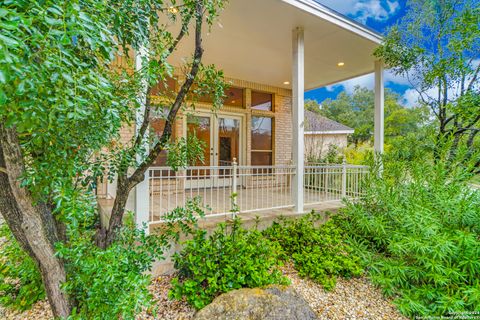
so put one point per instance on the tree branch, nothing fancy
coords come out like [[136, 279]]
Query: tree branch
[[145, 121], [474, 79], [138, 175], [146, 116], [125, 184], [180, 35]]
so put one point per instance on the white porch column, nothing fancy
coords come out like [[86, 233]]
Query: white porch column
[[142, 190], [298, 89], [379, 108]]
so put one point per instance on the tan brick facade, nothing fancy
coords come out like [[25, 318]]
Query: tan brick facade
[[282, 123]]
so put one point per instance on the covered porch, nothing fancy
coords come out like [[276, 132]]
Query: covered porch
[[306, 46], [230, 190]]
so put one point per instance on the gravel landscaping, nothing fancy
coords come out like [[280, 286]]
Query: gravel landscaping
[[351, 299]]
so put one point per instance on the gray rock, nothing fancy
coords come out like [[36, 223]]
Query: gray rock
[[272, 303]]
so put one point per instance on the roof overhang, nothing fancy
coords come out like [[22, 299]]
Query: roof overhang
[[329, 132], [253, 41]]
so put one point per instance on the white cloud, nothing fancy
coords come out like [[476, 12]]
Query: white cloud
[[379, 10], [367, 81], [410, 98], [390, 77]]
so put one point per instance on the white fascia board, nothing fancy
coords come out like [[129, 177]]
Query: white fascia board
[[331, 132], [316, 9]]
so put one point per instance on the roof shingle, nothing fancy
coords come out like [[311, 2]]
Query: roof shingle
[[317, 123]]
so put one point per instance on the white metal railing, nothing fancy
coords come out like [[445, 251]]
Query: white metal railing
[[330, 182], [256, 187]]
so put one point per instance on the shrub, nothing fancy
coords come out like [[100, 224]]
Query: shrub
[[229, 259], [318, 252], [20, 280], [113, 283], [104, 284], [420, 227]]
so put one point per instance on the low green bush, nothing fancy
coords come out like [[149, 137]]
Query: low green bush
[[231, 258], [113, 283], [104, 284], [419, 229], [20, 280], [319, 251]]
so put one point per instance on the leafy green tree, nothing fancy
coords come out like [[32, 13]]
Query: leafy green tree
[[312, 105], [356, 110], [61, 103], [436, 46]]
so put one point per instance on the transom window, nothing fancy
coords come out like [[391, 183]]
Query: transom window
[[262, 101], [233, 97]]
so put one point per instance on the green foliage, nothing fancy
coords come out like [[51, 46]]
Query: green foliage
[[418, 228], [55, 79], [333, 155], [435, 45], [20, 280], [67, 104], [113, 283], [356, 111], [319, 251], [229, 259], [359, 154]]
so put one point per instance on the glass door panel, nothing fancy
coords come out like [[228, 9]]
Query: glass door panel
[[222, 144], [228, 146], [228, 141], [200, 126]]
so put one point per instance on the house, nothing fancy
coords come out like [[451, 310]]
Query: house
[[321, 134], [271, 52]]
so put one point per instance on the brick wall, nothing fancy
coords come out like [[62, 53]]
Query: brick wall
[[282, 123]]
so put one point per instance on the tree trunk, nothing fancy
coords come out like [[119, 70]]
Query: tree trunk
[[31, 222], [126, 183], [107, 233]]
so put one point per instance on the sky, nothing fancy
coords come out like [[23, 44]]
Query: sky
[[378, 15]]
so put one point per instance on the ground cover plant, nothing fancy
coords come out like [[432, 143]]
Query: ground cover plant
[[318, 251], [20, 281], [230, 258], [418, 229]]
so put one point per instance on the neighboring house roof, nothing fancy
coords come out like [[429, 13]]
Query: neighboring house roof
[[317, 124]]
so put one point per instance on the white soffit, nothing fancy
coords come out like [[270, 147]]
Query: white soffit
[[253, 41]]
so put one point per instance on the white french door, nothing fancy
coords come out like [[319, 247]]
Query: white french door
[[222, 135]]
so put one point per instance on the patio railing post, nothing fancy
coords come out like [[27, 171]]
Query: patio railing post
[[344, 178], [234, 185]]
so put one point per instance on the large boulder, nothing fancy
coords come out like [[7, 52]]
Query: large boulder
[[272, 303]]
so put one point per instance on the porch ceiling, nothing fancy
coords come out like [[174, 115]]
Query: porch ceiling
[[253, 41]]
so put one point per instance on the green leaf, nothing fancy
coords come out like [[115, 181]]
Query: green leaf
[[3, 97], [8, 41]]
